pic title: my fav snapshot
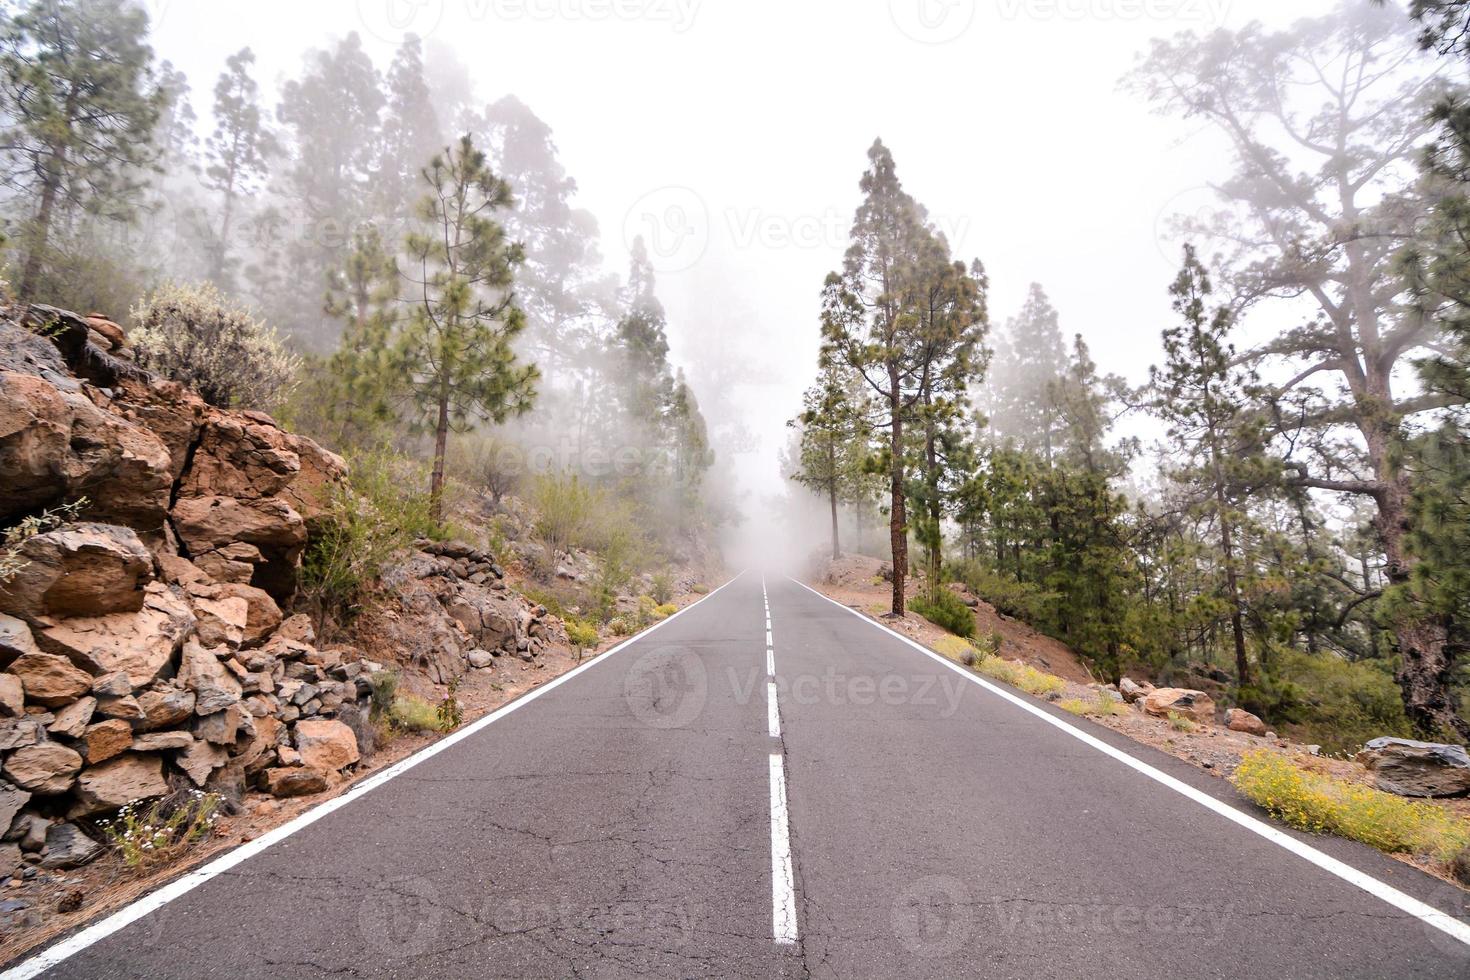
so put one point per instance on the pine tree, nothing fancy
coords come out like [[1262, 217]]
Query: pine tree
[[832, 450], [903, 317], [456, 348], [1200, 394], [238, 153], [1029, 356], [79, 104], [411, 133]]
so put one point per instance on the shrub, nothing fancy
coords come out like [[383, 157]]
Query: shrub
[[1019, 600], [369, 519], [192, 334], [948, 611], [1023, 676], [662, 589], [411, 713], [384, 692], [1336, 703], [564, 510], [580, 632], [1101, 706], [620, 626], [953, 647], [665, 610], [1180, 723], [699, 588], [450, 714], [148, 834], [1323, 804]]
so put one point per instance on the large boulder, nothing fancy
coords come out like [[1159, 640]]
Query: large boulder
[[294, 782], [141, 644], [165, 706], [79, 570], [50, 680], [48, 768], [115, 782], [218, 523], [262, 615], [57, 445], [1132, 690], [1240, 720], [240, 455], [1194, 705], [328, 746], [1410, 768]]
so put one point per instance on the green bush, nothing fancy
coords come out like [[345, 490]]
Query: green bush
[[565, 509], [411, 713], [946, 610], [1020, 600], [192, 334], [1335, 703], [662, 589], [369, 518], [580, 632]]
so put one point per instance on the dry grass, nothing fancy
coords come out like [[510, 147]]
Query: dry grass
[[1023, 676]]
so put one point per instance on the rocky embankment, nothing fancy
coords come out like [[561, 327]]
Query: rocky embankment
[[151, 646]]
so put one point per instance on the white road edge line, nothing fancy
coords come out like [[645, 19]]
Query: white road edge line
[[783, 886], [128, 914], [1426, 913]]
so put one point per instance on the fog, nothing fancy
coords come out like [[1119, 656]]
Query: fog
[[731, 136]]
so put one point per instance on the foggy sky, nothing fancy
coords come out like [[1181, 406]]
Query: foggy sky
[[732, 134]]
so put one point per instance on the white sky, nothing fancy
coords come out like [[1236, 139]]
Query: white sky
[[740, 126]]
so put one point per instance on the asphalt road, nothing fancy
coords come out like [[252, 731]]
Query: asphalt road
[[627, 822]]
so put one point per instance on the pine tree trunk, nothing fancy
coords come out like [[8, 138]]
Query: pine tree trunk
[[441, 445], [1425, 662], [832, 499], [897, 520], [40, 233]]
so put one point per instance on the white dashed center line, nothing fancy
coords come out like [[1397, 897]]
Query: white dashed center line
[[783, 879]]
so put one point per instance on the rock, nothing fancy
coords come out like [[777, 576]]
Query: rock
[[207, 523], [48, 768], [18, 732], [111, 332], [232, 563], [215, 688], [221, 621], [162, 741], [1409, 768], [72, 720], [50, 680], [299, 629], [106, 740], [1195, 705], [15, 639], [480, 658], [12, 696], [201, 759], [1240, 720], [221, 727], [294, 782], [115, 782], [10, 858], [165, 706], [12, 799], [56, 445], [128, 708], [262, 614], [114, 685], [325, 745], [68, 847], [1132, 690], [143, 644], [79, 570]]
